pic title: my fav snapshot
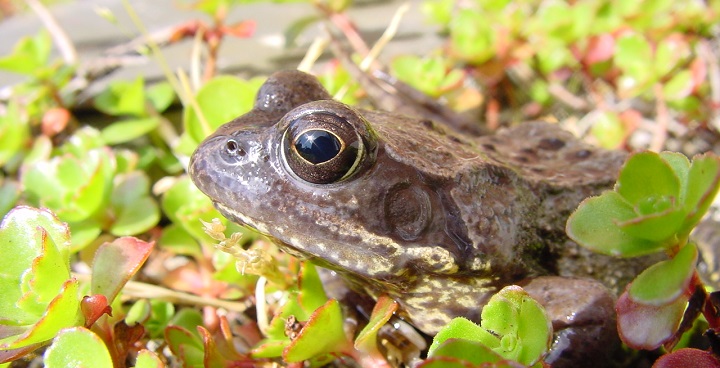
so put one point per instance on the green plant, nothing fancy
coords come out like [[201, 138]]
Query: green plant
[[656, 203], [514, 331], [42, 297], [579, 57]]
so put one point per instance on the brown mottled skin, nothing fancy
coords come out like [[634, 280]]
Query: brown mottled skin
[[435, 219]]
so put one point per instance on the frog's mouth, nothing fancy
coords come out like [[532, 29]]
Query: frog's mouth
[[239, 218]]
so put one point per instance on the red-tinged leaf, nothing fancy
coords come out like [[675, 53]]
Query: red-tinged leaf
[[600, 48], [312, 294], [8, 355], [93, 307], [224, 341], [126, 336], [367, 339], [645, 326], [242, 29], [322, 334], [688, 357], [115, 263], [269, 348], [62, 312], [663, 282], [212, 358]]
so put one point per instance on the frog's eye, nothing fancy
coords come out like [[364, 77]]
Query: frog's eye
[[322, 148]]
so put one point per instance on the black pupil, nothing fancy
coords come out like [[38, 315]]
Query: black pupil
[[317, 146]]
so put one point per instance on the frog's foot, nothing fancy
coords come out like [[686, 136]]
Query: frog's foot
[[583, 318]]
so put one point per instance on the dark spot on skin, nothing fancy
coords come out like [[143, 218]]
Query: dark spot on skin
[[527, 150], [551, 144], [523, 159], [538, 170], [583, 154], [428, 124], [489, 147], [455, 139]]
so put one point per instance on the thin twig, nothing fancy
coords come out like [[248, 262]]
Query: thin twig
[[387, 35], [567, 98], [314, 51], [62, 41], [141, 290]]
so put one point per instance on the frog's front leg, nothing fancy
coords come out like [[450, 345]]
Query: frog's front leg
[[583, 317]]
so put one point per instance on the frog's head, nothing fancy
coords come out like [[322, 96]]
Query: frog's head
[[313, 174]]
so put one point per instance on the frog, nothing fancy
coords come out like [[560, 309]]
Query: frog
[[408, 207]]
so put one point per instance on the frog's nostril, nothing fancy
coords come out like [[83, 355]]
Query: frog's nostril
[[233, 148]]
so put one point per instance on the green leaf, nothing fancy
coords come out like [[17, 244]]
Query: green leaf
[[609, 130], [312, 294], [14, 132], [62, 312], [473, 352], [186, 205], [633, 55], [139, 312], [471, 37], [72, 187], [221, 100], [519, 325], [188, 319], [179, 241], [29, 55], [322, 334], [135, 211], [187, 347], [161, 95], [29, 234], [664, 281], [148, 359], [681, 167], [594, 225], [136, 217], [77, 347], [162, 313], [656, 227], [381, 313], [9, 195], [679, 86], [460, 328], [49, 270], [127, 130], [513, 325], [635, 183], [115, 263], [123, 98], [430, 75], [702, 186]]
